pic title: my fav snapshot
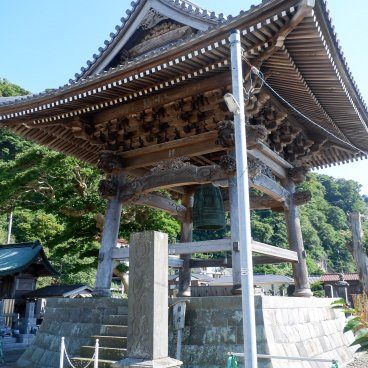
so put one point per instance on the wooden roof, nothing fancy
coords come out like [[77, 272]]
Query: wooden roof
[[114, 103]]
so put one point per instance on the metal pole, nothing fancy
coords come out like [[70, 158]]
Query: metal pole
[[10, 227], [95, 365], [246, 264], [62, 351]]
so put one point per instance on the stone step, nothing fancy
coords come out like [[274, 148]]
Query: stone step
[[103, 353], [9, 340], [82, 362], [110, 341], [123, 309], [117, 319], [114, 330]]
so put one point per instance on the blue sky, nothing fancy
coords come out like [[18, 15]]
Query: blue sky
[[43, 43]]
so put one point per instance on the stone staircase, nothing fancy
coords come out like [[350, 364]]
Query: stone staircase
[[112, 342]]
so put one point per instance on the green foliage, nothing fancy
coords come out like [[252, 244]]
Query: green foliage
[[8, 89], [324, 225], [357, 323], [141, 218], [317, 289]]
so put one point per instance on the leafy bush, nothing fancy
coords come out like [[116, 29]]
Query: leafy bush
[[357, 323]]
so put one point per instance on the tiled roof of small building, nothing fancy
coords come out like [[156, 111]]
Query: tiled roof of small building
[[15, 258], [336, 277], [61, 291]]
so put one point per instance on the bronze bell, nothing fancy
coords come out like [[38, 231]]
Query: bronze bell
[[208, 208]]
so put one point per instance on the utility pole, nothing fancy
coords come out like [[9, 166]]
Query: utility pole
[[246, 263], [10, 225]]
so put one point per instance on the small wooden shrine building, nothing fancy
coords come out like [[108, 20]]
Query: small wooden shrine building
[[153, 95], [20, 266]]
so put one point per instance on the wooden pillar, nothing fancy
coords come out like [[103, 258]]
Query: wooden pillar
[[300, 271], [357, 248], [234, 223], [186, 235], [108, 242]]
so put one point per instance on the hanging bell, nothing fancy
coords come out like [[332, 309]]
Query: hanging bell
[[208, 208]]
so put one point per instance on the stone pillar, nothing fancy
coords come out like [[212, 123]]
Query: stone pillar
[[234, 223], [300, 271], [108, 242], [148, 302], [186, 235]]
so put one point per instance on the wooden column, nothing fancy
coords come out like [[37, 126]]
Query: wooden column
[[108, 241], [234, 223], [356, 248], [186, 237], [300, 271]]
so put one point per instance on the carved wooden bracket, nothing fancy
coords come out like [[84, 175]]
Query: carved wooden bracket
[[108, 188], [228, 163], [298, 174], [109, 162], [257, 167], [226, 134], [255, 133], [170, 178], [302, 197], [160, 202]]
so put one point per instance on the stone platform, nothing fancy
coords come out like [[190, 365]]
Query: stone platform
[[306, 327], [213, 326]]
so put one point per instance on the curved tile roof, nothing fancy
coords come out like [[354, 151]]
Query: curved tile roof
[[97, 91], [15, 258], [182, 6]]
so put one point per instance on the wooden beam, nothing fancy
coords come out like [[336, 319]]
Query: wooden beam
[[123, 253], [270, 187], [208, 246], [213, 246], [258, 260], [173, 177], [160, 202], [201, 263], [275, 252], [271, 159], [147, 156], [265, 202], [227, 262]]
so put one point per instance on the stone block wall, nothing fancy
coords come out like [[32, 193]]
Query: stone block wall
[[306, 327], [285, 326], [213, 326], [76, 320]]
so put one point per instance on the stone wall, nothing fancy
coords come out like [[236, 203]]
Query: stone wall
[[75, 319], [285, 326], [213, 326]]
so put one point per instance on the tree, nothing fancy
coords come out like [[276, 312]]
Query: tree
[[8, 89]]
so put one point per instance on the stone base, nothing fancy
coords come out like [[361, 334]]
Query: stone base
[[101, 293], [236, 290], [140, 363], [306, 293]]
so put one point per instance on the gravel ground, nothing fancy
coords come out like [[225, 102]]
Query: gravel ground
[[360, 361]]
